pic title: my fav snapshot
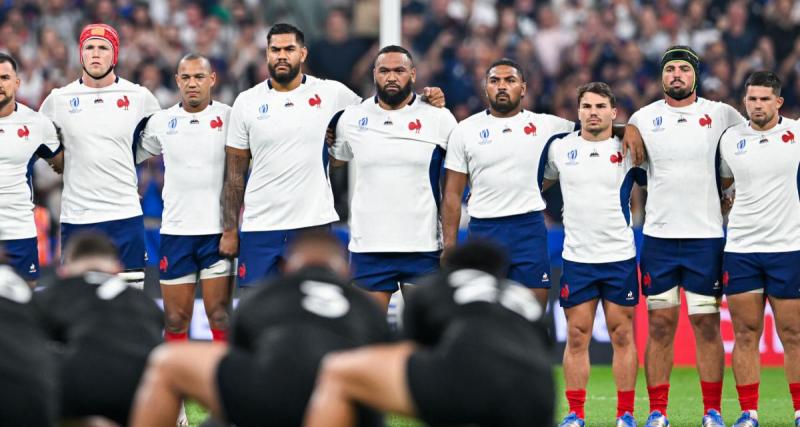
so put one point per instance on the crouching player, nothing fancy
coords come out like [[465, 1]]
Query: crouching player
[[599, 250], [476, 355], [279, 335]]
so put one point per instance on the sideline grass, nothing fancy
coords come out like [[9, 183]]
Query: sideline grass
[[685, 406]]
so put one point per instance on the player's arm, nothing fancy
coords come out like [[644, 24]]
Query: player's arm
[[454, 184], [632, 142], [237, 163], [547, 183], [57, 162]]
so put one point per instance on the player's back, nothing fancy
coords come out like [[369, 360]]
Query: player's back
[[27, 380], [288, 325], [100, 312]]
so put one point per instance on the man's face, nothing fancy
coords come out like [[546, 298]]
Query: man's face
[[195, 80], [98, 56], [595, 113], [762, 104], [678, 79], [284, 57], [394, 76], [9, 83], [504, 88]]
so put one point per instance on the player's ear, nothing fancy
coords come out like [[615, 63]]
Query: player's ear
[[524, 89], [613, 113], [413, 75], [780, 98], [303, 53], [213, 78]]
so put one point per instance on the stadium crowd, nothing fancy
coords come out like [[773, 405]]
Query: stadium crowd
[[561, 44]]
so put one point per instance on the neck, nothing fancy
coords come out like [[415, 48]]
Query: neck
[[685, 102], [9, 108], [290, 85], [511, 113], [91, 82], [768, 125], [189, 109], [402, 104], [596, 137]]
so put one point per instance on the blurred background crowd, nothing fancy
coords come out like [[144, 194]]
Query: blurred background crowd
[[560, 43]]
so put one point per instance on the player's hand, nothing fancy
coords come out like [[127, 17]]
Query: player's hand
[[726, 204], [330, 136], [448, 247], [433, 96], [229, 244], [632, 142]]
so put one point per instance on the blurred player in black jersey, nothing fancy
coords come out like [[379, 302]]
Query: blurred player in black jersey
[[279, 335], [27, 371], [476, 355], [106, 330]]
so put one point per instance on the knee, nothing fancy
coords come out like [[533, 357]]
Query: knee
[[661, 328], [790, 335], [747, 334], [578, 337], [706, 327], [176, 320], [161, 361], [621, 335], [218, 317], [333, 371]]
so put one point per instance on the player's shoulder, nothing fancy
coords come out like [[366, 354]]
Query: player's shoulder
[[129, 86], [541, 117], [324, 84], [26, 113], [563, 138], [655, 107], [432, 111], [67, 90], [735, 131], [166, 113], [219, 107], [475, 120], [252, 94]]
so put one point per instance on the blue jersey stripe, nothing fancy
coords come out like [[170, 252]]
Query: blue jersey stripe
[[543, 157], [435, 173], [634, 175]]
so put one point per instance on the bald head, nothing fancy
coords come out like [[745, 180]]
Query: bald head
[[317, 249]]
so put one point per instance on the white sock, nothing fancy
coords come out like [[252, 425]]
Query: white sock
[[753, 414], [797, 414]]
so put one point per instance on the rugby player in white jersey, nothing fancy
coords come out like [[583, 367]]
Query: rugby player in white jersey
[[762, 252], [98, 116], [25, 135], [191, 138], [683, 235], [396, 144], [599, 251], [281, 124], [501, 152]]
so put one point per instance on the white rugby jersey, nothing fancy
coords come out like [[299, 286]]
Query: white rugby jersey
[[193, 145], [397, 156], [98, 125], [24, 135], [766, 169], [681, 143], [504, 158], [288, 186], [596, 183]]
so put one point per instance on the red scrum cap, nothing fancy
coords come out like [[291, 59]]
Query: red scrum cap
[[100, 31]]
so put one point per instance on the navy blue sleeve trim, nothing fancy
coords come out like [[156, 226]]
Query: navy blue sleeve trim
[[137, 135], [543, 157]]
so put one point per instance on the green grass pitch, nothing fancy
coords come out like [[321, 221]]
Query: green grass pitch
[[685, 404]]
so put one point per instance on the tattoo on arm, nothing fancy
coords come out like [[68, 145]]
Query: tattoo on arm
[[237, 162]]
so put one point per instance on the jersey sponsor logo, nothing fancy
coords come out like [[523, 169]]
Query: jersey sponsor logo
[[217, 124], [98, 100], [388, 121], [74, 103], [263, 111], [705, 121], [617, 158], [242, 271], [288, 103], [316, 101], [484, 134], [657, 123], [124, 102], [362, 123], [507, 129], [741, 146], [32, 268], [629, 297], [788, 137], [163, 264], [646, 280], [571, 156], [682, 119], [23, 132], [530, 129], [594, 153], [545, 278], [564, 291], [415, 126]]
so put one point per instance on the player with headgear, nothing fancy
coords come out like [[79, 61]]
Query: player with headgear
[[476, 354], [279, 334], [683, 236], [25, 135], [98, 116]]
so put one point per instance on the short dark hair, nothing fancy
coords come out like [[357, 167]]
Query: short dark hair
[[4, 57], [599, 88], [284, 28], [478, 255], [509, 63], [766, 79], [87, 244], [196, 57], [393, 48]]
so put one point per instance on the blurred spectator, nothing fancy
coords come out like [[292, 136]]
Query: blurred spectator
[[333, 56]]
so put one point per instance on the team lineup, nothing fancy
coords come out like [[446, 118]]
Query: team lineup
[[248, 200]]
